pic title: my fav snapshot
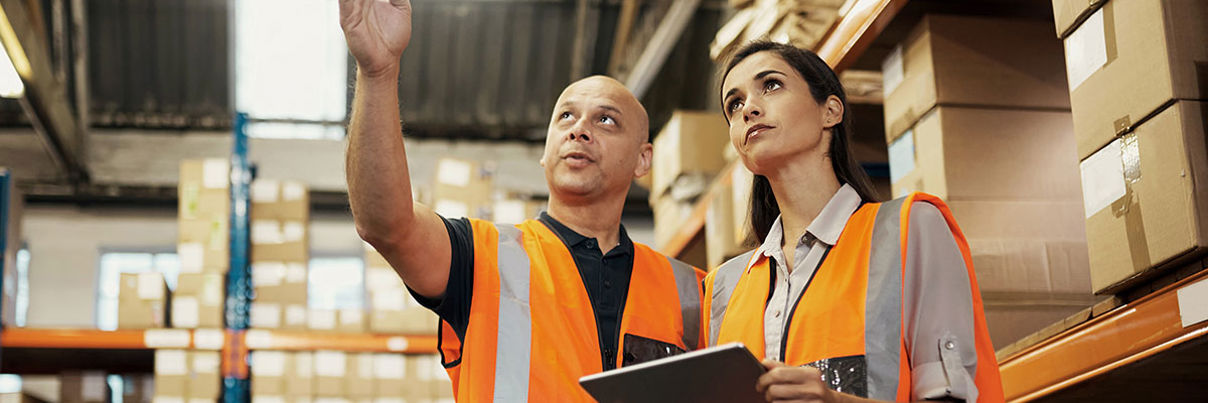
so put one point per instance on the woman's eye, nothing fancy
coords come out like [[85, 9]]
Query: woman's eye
[[771, 85], [733, 107]]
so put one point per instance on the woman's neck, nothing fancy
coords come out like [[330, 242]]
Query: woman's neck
[[802, 188]]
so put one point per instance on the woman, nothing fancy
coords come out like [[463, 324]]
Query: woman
[[846, 298]]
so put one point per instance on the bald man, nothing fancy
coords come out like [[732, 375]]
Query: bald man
[[525, 309]]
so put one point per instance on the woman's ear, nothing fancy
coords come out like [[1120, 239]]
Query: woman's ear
[[833, 112]]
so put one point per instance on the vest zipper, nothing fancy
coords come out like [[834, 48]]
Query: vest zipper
[[788, 320]]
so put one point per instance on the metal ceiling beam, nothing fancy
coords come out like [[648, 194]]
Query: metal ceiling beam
[[46, 101], [656, 52], [587, 28]]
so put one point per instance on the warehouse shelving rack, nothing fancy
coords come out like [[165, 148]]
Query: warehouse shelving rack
[[51, 351]]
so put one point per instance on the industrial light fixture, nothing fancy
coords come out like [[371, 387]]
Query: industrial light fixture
[[12, 61]]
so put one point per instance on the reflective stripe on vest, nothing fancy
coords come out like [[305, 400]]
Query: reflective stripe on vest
[[689, 296], [725, 278], [515, 339], [883, 306]]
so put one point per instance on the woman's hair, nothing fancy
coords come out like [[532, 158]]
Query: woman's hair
[[823, 82]]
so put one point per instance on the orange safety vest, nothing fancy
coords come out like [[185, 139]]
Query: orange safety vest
[[532, 332], [849, 318]]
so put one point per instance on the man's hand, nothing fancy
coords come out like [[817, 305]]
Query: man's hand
[[783, 383], [377, 32]]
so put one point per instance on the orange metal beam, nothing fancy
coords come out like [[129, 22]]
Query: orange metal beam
[[1123, 336], [852, 34], [285, 340], [72, 338]]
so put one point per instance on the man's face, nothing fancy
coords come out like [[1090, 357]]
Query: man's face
[[596, 142]]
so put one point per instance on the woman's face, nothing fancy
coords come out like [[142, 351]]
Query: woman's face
[[773, 117]]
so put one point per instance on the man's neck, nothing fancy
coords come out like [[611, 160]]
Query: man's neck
[[599, 219]]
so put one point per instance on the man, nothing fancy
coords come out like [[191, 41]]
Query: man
[[527, 309]]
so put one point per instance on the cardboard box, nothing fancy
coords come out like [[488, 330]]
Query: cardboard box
[[1145, 198], [331, 370], [741, 182], [412, 321], [321, 320], [171, 373], [268, 370], [280, 282], [1129, 59], [960, 153], [463, 188], [142, 301], [1068, 13], [295, 317], [279, 241], [720, 242], [280, 200], [204, 245], [83, 387], [265, 315], [351, 321], [972, 61], [516, 210], [1010, 322], [669, 215], [390, 373], [204, 187], [205, 380], [198, 301], [689, 145], [300, 374], [361, 375]]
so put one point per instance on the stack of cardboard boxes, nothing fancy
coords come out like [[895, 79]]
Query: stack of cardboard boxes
[[801, 23], [10, 243], [187, 376], [280, 218], [976, 113], [391, 307], [687, 155], [1138, 94], [337, 376], [463, 188], [727, 223], [204, 243], [142, 301]]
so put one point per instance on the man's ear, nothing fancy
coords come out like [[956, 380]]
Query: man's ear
[[645, 155]]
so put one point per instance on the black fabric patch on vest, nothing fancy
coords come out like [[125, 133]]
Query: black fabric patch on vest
[[638, 349], [844, 374]]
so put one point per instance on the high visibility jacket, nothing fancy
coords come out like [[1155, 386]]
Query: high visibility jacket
[[848, 320], [532, 332]]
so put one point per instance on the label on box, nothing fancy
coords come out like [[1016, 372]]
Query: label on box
[[265, 315], [321, 319], [150, 285], [265, 191], [258, 339], [453, 172], [509, 211], [214, 174], [294, 231], [211, 292], [389, 366], [351, 317], [892, 71], [397, 343], [329, 363], [267, 274], [205, 362], [295, 315], [268, 363], [291, 191], [267, 231], [171, 362], [1102, 179], [166, 338], [451, 208], [295, 273], [1086, 50], [207, 339], [191, 255], [184, 311], [901, 156], [1193, 303]]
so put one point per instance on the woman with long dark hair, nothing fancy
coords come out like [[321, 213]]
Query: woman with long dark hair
[[847, 298]]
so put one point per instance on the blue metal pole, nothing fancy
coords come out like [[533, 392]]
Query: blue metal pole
[[236, 385], [6, 183]]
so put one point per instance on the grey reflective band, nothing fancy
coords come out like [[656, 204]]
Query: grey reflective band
[[514, 341], [689, 297], [725, 279], [883, 304]]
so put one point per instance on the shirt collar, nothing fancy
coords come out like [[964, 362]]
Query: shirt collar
[[572, 238], [826, 227]]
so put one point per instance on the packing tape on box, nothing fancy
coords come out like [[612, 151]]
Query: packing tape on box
[[1128, 207]]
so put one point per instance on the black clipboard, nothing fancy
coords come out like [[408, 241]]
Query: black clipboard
[[725, 373]]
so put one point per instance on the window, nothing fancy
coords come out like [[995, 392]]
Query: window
[[336, 283], [114, 264], [10, 383], [291, 68]]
